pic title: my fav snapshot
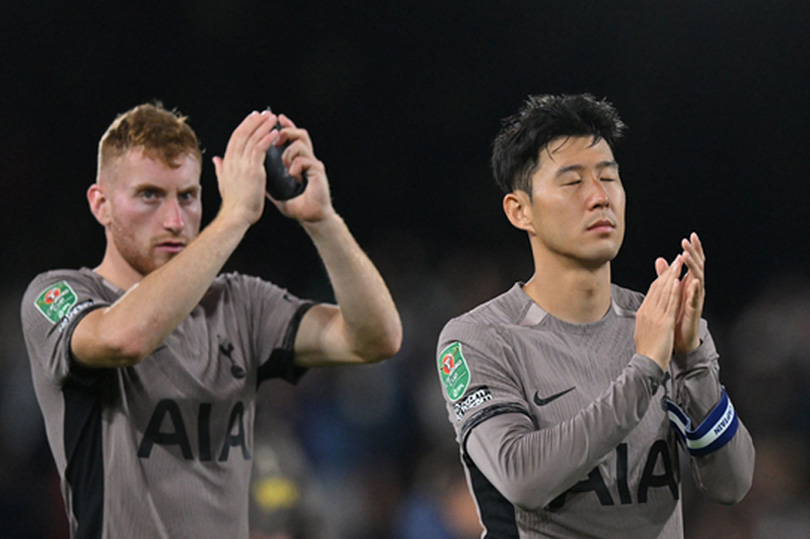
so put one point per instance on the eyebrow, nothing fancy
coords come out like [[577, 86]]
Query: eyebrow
[[193, 190], [146, 186], [577, 168]]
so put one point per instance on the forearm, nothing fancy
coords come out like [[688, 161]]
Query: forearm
[[724, 475], [135, 325], [531, 467], [368, 317], [696, 380]]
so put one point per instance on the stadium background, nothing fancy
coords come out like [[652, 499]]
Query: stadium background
[[402, 100]]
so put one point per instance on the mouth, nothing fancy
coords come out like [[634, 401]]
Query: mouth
[[170, 246], [601, 226]]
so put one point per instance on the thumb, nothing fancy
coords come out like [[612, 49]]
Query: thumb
[[217, 165], [661, 266]]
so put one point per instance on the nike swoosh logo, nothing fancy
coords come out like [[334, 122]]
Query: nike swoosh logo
[[543, 401]]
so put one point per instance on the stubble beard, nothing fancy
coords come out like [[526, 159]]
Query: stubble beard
[[138, 254]]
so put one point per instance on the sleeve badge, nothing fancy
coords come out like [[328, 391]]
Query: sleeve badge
[[453, 370], [55, 301]]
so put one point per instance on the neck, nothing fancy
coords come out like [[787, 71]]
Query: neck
[[570, 292], [117, 271]]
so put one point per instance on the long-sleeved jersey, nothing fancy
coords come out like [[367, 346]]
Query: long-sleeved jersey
[[564, 431], [162, 448]]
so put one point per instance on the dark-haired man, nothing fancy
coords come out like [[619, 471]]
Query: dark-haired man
[[146, 367], [569, 394]]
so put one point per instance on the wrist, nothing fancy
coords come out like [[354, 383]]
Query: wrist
[[226, 221], [688, 348], [324, 226]]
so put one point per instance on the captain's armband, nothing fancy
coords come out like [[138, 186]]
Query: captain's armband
[[713, 433]]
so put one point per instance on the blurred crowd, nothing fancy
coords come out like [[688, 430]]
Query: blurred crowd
[[367, 452]]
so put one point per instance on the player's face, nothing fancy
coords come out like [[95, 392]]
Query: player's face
[[155, 210], [578, 202]]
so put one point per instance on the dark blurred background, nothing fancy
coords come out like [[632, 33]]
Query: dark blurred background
[[402, 100]]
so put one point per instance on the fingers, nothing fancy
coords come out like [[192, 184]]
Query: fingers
[[671, 292], [257, 131], [656, 318], [250, 134], [303, 163], [240, 172], [263, 134], [675, 289], [666, 286], [678, 302], [698, 245], [692, 296], [292, 133], [285, 121], [687, 332], [299, 156], [695, 259], [692, 256], [693, 248]]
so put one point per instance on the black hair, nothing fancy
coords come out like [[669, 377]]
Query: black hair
[[540, 120]]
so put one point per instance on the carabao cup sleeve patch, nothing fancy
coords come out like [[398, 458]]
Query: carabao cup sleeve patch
[[55, 301], [454, 372]]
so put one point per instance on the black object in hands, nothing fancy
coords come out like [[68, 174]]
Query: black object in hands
[[280, 185]]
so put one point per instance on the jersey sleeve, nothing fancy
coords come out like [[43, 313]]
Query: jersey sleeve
[[477, 381], [52, 306], [529, 465], [724, 475], [273, 315]]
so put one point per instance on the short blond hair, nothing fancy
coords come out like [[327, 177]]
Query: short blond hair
[[162, 134]]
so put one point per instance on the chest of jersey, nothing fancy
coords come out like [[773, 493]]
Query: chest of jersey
[[192, 397], [563, 372]]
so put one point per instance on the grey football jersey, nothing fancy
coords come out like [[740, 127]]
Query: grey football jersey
[[163, 448], [591, 452]]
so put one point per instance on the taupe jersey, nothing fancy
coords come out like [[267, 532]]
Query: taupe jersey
[[561, 426], [163, 448]]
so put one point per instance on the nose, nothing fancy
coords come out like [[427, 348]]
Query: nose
[[173, 219], [597, 195]]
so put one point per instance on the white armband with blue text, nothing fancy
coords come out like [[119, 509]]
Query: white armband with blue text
[[716, 430]]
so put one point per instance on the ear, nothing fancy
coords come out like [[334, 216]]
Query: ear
[[518, 209], [99, 203]]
